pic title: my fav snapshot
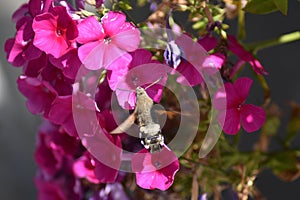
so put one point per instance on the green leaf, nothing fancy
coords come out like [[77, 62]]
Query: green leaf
[[282, 161], [282, 5], [261, 6]]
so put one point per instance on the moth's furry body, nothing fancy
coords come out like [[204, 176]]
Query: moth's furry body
[[150, 132]]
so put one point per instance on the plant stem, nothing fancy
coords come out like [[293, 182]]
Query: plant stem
[[207, 12], [241, 22], [289, 37]]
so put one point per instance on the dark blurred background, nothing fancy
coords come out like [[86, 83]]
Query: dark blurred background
[[18, 127]]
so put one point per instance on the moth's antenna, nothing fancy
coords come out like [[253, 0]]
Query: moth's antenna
[[125, 90], [153, 83]]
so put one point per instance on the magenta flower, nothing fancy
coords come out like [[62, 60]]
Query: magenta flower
[[236, 112], [55, 31], [196, 60], [84, 167], [69, 63], [208, 42], [61, 113], [62, 187], [155, 170], [213, 63], [55, 148], [106, 45], [33, 68], [39, 94], [244, 56], [189, 74], [142, 71], [20, 49], [48, 155], [103, 96], [105, 148]]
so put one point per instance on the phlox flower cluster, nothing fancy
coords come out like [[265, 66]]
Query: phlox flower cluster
[[52, 43]]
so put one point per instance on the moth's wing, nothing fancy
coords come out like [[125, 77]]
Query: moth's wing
[[125, 125], [170, 113]]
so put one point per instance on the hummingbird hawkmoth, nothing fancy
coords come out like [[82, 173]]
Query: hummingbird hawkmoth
[[149, 131]]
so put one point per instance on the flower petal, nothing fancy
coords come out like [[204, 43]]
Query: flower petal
[[232, 98], [113, 22], [219, 100], [232, 121], [213, 63], [242, 87], [90, 30], [155, 170], [45, 38], [208, 42], [91, 55], [252, 117], [257, 67], [127, 40]]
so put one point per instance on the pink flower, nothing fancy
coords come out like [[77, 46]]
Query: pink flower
[[236, 111], [106, 45], [155, 170], [20, 49], [84, 167], [142, 71], [244, 55], [213, 63], [55, 31]]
